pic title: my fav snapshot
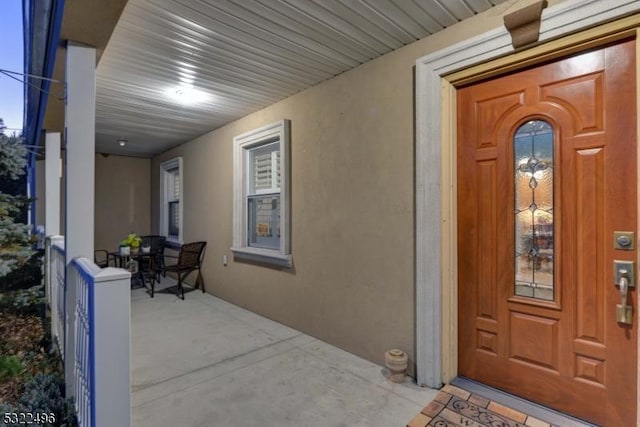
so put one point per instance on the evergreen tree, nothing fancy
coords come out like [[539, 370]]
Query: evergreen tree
[[15, 237]]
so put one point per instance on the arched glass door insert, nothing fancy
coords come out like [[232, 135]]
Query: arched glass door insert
[[533, 148]]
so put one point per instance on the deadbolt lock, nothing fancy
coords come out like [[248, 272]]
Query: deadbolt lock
[[624, 240]]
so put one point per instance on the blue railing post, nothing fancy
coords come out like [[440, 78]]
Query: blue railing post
[[102, 359]]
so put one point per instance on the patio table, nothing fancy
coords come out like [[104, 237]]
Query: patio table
[[137, 276]]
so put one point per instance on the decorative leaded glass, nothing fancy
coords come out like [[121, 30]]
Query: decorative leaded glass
[[533, 148]]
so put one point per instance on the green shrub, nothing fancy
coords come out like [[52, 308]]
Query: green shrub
[[10, 367], [28, 300], [45, 394], [24, 301]]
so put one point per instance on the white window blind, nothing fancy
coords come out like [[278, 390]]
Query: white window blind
[[176, 184], [265, 165], [275, 159], [263, 171]]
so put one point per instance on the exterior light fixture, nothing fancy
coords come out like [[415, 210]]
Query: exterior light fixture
[[187, 95], [122, 142]]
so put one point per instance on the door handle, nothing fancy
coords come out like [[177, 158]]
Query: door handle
[[624, 312], [624, 287]]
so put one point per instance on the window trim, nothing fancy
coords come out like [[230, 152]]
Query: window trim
[[242, 144], [165, 170]]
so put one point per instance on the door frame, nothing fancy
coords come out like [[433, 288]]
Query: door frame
[[437, 74]]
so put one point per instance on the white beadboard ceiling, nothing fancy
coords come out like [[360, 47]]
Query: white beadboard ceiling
[[241, 56]]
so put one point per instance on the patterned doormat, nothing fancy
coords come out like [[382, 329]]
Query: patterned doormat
[[454, 406]]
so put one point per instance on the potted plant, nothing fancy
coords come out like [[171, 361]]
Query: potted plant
[[131, 243]]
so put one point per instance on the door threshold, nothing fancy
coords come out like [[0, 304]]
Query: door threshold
[[540, 412]]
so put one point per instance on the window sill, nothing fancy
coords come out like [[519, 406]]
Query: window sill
[[263, 255]]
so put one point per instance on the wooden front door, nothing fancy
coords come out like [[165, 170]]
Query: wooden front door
[[546, 161]]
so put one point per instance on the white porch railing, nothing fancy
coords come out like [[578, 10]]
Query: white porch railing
[[95, 308], [55, 288]]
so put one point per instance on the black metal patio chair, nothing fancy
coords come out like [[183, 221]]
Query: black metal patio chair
[[152, 267], [102, 258], [189, 259]]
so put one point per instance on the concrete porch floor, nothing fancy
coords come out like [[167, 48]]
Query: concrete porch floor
[[205, 362]]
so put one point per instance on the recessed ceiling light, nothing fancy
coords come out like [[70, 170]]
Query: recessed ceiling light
[[122, 142], [187, 95]]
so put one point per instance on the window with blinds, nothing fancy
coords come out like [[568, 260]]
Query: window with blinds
[[261, 204], [174, 203], [171, 192], [263, 197]]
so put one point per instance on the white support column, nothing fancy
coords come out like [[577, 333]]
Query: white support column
[[53, 173], [80, 176]]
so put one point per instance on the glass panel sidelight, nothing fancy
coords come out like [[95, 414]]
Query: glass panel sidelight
[[533, 148]]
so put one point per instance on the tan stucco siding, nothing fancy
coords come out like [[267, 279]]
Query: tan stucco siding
[[122, 199], [352, 198]]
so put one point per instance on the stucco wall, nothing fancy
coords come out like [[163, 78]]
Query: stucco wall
[[353, 222], [122, 199]]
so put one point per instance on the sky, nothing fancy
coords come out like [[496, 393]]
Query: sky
[[11, 47]]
